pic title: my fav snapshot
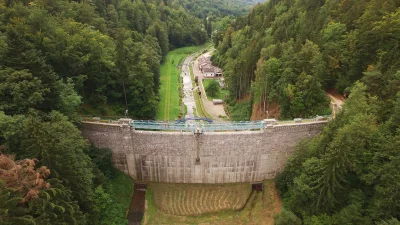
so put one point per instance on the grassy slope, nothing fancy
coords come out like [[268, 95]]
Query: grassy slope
[[123, 186], [198, 199], [259, 209], [220, 95], [169, 107], [121, 199]]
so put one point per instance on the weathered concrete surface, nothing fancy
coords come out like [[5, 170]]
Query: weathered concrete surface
[[225, 157]]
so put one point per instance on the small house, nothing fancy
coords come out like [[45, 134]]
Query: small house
[[208, 71], [204, 61], [202, 65]]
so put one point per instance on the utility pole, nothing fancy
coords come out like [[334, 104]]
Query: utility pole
[[197, 145], [126, 100]]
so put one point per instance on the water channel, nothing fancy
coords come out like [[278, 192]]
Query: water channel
[[136, 210]]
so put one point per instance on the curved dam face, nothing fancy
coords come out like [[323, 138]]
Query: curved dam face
[[210, 157]]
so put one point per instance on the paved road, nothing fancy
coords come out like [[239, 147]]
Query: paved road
[[214, 110]]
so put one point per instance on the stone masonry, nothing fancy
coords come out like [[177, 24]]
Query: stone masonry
[[222, 157]]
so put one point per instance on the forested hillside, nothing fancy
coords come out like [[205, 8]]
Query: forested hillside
[[54, 56], [215, 14], [349, 174], [216, 8], [99, 48], [289, 52]]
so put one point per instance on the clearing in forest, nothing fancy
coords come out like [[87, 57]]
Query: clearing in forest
[[169, 107], [211, 204]]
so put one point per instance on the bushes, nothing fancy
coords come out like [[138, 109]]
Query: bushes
[[286, 218], [241, 111], [213, 88]]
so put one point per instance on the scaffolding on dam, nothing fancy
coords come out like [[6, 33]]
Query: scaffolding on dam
[[200, 125], [193, 125]]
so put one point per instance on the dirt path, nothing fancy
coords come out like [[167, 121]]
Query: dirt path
[[216, 111], [337, 102]]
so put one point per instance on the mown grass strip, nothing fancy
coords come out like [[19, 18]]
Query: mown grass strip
[[170, 102], [209, 198]]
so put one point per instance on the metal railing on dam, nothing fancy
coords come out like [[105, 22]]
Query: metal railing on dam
[[206, 125], [196, 127]]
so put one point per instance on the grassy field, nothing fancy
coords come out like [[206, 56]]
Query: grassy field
[[220, 95], [198, 199], [258, 208], [169, 107]]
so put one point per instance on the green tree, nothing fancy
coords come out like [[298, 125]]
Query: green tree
[[10, 211], [56, 206], [158, 31], [70, 101], [112, 20], [286, 218], [23, 55], [59, 146], [19, 91], [29, 198], [392, 221], [57, 143], [213, 88], [135, 74]]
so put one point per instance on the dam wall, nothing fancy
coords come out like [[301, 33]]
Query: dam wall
[[209, 157]]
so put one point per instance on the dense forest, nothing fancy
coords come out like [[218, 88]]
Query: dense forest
[[59, 58], [289, 52], [216, 8], [101, 49], [216, 14], [349, 174]]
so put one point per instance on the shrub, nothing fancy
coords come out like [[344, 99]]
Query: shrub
[[286, 218], [213, 88]]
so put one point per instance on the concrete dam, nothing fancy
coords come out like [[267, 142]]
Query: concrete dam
[[200, 157]]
